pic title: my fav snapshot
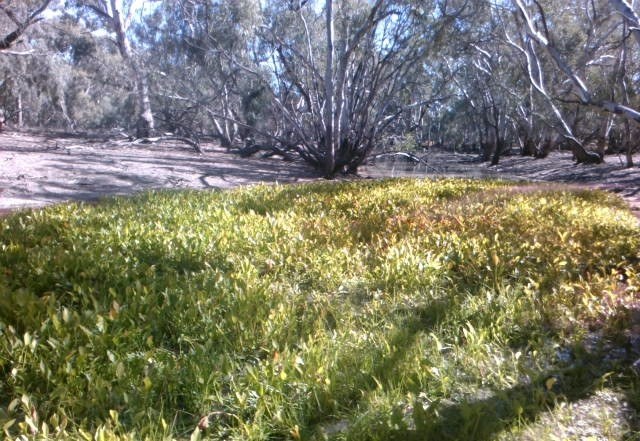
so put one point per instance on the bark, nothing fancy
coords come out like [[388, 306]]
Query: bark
[[20, 110], [145, 123], [627, 137], [227, 129], [330, 148], [621, 72], [11, 38], [544, 148], [584, 156], [603, 135], [498, 145], [223, 134], [528, 146]]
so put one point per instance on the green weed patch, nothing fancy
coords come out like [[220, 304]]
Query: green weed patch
[[399, 309]]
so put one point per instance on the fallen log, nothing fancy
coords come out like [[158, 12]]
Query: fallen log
[[189, 142], [269, 150], [410, 157]]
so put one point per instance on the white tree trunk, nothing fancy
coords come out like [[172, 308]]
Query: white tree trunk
[[144, 124], [543, 39], [20, 118], [330, 147]]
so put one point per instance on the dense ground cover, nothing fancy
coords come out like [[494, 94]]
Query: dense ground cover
[[397, 309]]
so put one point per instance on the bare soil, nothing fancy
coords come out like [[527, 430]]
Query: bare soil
[[41, 169], [38, 169]]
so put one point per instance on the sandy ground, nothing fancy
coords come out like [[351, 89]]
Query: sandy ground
[[37, 170], [42, 169]]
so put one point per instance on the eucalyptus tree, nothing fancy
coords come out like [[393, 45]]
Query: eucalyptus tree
[[116, 18], [319, 78], [340, 92], [32, 77], [485, 79], [488, 105], [96, 87], [20, 15], [203, 52], [603, 52]]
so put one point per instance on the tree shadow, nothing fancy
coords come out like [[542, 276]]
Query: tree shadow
[[484, 419], [492, 412], [59, 170]]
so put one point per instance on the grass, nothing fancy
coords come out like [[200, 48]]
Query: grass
[[398, 309]]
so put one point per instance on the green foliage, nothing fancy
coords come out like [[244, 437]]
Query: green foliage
[[397, 309], [409, 143]]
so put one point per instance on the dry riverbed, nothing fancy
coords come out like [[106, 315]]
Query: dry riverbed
[[38, 169]]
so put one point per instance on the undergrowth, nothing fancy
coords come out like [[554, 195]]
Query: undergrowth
[[397, 309]]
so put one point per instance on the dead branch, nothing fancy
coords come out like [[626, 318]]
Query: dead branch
[[189, 142], [269, 151]]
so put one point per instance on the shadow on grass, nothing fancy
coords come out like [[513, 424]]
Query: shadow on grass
[[484, 419], [492, 412]]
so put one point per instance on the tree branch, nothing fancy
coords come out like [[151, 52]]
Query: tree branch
[[99, 12], [632, 19], [11, 15], [12, 37]]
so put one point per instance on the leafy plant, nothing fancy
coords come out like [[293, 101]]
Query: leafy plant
[[370, 310]]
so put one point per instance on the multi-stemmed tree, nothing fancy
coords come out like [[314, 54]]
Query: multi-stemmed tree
[[332, 80]]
